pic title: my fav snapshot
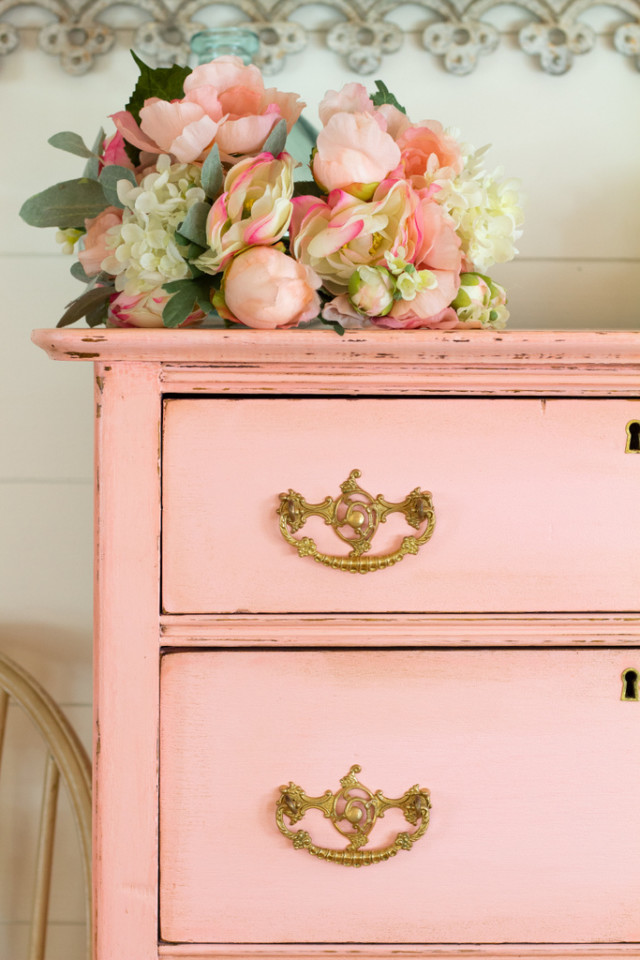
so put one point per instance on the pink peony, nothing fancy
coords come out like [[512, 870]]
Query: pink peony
[[342, 311], [336, 236], [354, 153], [225, 102], [352, 98], [95, 245], [180, 128], [144, 310], [255, 208], [427, 152], [264, 288], [447, 319], [113, 152]]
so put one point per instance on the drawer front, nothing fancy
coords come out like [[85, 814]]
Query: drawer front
[[537, 504], [528, 755]]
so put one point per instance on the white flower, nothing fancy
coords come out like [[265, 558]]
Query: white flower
[[68, 239], [486, 211], [144, 251]]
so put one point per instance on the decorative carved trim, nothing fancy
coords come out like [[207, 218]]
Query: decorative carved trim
[[361, 34], [375, 362]]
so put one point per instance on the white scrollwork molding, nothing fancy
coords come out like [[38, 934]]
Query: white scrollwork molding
[[362, 34]]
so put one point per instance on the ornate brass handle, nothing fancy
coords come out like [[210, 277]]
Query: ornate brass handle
[[355, 516], [353, 811]]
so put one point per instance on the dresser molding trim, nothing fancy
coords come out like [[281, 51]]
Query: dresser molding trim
[[414, 630], [419, 363], [447, 951]]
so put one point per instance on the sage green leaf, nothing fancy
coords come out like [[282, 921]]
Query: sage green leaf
[[212, 173], [92, 166], [87, 302], [194, 225], [77, 271], [173, 286], [166, 83], [109, 178], [72, 143], [64, 205], [98, 315], [277, 139], [384, 95], [179, 306]]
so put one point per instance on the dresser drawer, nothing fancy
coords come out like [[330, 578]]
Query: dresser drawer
[[537, 504], [528, 756]]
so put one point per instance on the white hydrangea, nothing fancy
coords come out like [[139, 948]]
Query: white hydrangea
[[486, 211], [144, 252]]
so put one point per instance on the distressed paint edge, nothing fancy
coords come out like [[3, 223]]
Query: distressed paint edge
[[595, 951], [418, 630]]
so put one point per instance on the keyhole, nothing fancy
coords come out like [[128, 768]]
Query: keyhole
[[633, 437], [629, 685]]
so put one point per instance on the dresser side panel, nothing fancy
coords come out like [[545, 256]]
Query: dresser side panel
[[126, 661]]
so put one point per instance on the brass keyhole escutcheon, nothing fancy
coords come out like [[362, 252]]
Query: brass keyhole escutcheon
[[630, 685], [633, 437]]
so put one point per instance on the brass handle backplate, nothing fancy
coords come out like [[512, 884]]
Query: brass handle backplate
[[355, 516], [353, 811]]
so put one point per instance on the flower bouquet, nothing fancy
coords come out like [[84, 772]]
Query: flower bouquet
[[190, 211]]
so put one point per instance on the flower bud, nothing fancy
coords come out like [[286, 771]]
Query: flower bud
[[481, 300], [371, 290]]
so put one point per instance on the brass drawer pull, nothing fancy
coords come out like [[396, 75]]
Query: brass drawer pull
[[353, 811], [355, 516]]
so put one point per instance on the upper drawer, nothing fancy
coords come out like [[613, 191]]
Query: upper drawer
[[537, 504]]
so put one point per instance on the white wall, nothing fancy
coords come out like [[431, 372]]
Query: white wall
[[574, 141]]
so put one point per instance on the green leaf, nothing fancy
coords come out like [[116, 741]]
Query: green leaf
[[384, 95], [179, 306], [277, 139], [339, 329], [86, 303], [109, 178], [306, 188], [72, 143], [64, 205], [194, 225], [212, 173], [92, 166], [98, 315], [167, 83], [77, 271]]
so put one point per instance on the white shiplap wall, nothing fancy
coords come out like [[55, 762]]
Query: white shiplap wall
[[573, 140]]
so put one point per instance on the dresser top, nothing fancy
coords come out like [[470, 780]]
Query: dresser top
[[569, 362]]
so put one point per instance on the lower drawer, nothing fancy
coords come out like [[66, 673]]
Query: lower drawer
[[529, 756]]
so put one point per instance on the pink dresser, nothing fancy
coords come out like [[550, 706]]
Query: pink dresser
[[367, 644]]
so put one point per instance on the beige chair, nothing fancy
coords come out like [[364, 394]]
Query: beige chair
[[67, 760]]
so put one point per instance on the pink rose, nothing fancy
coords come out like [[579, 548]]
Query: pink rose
[[95, 239], [354, 153], [264, 288], [144, 310]]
